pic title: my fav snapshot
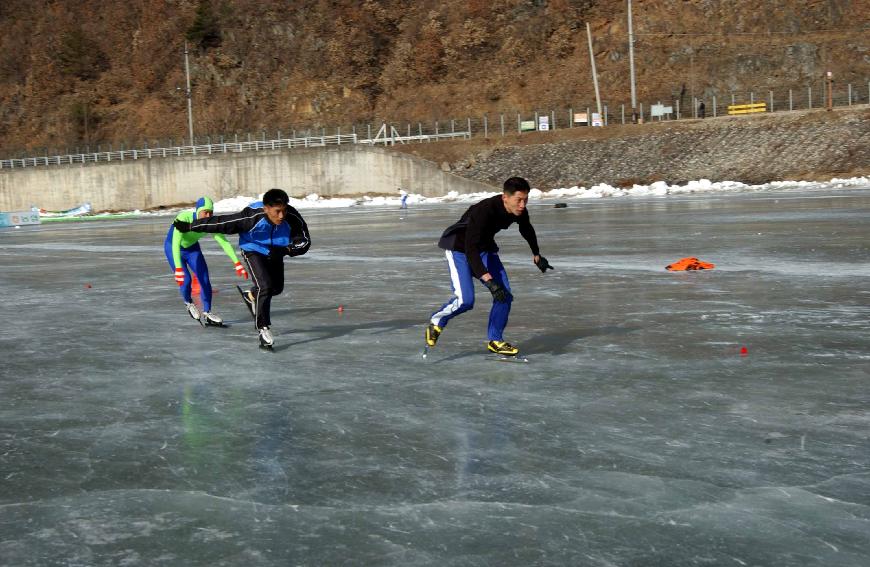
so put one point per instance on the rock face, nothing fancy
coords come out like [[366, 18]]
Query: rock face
[[799, 145], [86, 73]]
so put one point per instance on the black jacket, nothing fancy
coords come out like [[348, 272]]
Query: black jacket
[[475, 231]]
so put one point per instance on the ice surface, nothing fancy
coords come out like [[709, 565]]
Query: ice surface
[[637, 435]]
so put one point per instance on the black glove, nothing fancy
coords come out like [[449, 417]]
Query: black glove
[[298, 246], [499, 293], [181, 226], [543, 265]]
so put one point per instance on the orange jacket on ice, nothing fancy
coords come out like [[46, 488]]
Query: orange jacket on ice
[[689, 264]]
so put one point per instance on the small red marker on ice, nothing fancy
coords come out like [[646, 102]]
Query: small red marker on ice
[[744, 351], [341, 308], [87, 286]]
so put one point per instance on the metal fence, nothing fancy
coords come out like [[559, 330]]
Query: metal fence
[[488, 125]]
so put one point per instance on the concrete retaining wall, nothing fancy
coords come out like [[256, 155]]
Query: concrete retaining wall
[[148, 183]]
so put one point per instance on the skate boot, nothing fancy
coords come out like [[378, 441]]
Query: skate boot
[[266, 340], [433, 331], [210, 319], [502, 348], [248, 298], [192, 310]]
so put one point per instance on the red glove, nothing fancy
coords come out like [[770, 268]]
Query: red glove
[[240, 270], [179, 276]]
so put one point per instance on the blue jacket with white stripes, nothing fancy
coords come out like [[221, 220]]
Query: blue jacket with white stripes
[[258, 234]]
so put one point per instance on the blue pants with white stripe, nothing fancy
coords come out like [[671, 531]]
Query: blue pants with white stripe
[[463, 292]]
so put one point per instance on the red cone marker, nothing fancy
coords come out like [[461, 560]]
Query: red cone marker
[[744, 351]]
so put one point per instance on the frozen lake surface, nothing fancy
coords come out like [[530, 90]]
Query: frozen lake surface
[[637, 435]]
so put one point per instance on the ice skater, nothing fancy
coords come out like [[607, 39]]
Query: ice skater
[[404, 196], [185, 257], [471, 252], [268, 230]]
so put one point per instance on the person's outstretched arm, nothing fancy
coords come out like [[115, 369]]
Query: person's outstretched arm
[[235, 223], [528, 232], [300, 238], [227, 247]]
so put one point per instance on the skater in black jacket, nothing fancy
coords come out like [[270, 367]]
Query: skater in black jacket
[[471, 252]]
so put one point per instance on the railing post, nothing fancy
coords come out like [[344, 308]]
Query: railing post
[[771, 102], [790, 105], [519, 129], [850, 93], [501, 119], [622, 112], [469, 127], [714, 106], [485, 127]]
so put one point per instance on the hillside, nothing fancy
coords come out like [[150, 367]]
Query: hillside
[[106, 71]]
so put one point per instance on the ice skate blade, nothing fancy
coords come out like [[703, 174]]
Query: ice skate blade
[[505, 358], [245, 301], [425, 354], [267, 348]]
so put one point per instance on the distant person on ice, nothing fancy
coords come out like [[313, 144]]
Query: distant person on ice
[[404, 195], [268, 230], [471, 253], [185, 256]]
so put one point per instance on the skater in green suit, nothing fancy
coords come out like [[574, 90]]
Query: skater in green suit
[[185, 257]]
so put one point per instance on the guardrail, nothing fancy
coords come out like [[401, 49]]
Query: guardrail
[[221, 148], [206, 149]]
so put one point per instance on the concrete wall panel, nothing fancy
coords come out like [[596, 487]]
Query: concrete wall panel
[[149, 183]]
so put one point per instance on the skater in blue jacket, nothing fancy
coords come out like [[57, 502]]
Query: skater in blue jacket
[[268, 230]]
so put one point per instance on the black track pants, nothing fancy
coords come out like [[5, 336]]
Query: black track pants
[[267, 273]]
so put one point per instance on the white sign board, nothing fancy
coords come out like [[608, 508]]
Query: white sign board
[[543, 122], [580, 118], [596, 120], [18, 218], [660, 110]]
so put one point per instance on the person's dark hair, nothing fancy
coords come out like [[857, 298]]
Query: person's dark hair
[[515, 184], [274, 197]]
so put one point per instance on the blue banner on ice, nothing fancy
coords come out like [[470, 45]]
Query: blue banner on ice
[[19, 218]]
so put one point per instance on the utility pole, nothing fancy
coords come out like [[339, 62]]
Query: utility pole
[[631, 67], [594, 73], [187, 92]]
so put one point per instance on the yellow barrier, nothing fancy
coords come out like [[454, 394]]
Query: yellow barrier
[[747, 108]]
